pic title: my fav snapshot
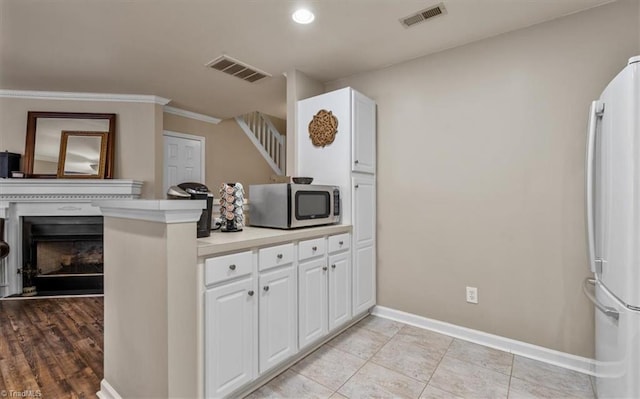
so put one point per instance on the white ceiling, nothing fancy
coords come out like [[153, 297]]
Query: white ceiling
[[160, 47]]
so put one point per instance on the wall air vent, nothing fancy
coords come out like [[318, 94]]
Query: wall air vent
[[423, 15], [236, 68]]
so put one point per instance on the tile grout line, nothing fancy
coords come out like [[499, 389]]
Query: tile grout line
[[371, 357], [436, 368], [513, 359]]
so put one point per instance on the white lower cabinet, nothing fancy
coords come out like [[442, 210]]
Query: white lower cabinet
[[364, 239], [339, 289], [312, 296], [364, 279], [277, 316], [230, 331], [264, 305], [324, 291]]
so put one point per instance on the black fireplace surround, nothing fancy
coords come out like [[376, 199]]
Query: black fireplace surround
[[62, 255]]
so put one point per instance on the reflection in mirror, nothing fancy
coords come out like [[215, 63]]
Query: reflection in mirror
[[43, 139], [48, 140], [82, 154]]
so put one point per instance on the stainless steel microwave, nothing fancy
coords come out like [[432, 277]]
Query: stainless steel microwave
[[289, 206]]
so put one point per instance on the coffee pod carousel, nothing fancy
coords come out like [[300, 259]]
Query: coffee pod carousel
[[231, 207]]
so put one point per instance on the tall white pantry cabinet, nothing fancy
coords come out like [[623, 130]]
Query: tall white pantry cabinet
[[349, 162]]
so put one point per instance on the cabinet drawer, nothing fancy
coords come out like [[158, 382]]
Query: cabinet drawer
[[226, 267], [311, 248], [275, 256], [339, 242]]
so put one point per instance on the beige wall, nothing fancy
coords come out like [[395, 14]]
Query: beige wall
[[480, 176], [136, 131], [230, 155]]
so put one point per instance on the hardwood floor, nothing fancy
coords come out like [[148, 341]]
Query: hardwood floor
[[54, 346]]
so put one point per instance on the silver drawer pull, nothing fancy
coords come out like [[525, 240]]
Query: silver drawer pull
[[279, 256], [357, 185], [232, 267], [324, 268], [314, 248], [607, 310], [250, 293], [356, 161], [266, 288], [340, 242], [333, 266]]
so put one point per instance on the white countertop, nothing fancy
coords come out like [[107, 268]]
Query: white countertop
[[251, 237]]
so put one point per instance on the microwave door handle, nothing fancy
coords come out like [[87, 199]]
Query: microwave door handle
[[596, 110]]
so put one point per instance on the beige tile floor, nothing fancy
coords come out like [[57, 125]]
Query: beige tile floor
[[380, 358]]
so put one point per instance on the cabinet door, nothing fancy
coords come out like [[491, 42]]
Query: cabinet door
[[364, 243], [277, 316], [364, 210], [364, 134], [364, 279], [312, 295], [339, 289], [230, 339]]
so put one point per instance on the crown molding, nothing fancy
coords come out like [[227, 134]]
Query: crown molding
[[65, 95], [191, 115]]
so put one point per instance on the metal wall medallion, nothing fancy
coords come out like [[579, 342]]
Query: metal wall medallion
[[323, 128]]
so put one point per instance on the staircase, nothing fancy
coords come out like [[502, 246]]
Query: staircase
[[269, 142]]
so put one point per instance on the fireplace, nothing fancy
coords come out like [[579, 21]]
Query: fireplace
[[62, 255], [22, 199]]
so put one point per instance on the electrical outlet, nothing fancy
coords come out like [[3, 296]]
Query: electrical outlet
[[472, 295]]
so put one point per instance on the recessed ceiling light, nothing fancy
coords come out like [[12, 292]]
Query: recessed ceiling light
[[303, 16]]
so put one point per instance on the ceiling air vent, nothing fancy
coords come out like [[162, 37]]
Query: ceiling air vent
[[423, 15], [237, 68]]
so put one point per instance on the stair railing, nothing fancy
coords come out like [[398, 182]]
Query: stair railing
[[263, 134]]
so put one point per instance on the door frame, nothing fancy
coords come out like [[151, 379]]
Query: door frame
[[170, 133]]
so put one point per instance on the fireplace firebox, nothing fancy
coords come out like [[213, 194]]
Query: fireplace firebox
[[62, 255]]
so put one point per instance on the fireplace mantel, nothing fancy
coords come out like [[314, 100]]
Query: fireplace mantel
[[50, 197], [67, 190]]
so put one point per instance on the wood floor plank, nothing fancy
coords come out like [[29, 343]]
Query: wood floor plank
[[54, 345]]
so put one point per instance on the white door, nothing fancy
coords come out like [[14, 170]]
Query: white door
[[364, 133], [364, 243], [277, 317], [312, 276], [339, 289], [230, 339], [183, 159]]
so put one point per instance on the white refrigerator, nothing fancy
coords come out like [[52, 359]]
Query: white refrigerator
[[613, 221]]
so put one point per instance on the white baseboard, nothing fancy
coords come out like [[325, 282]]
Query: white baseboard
[[107, 391], [550, 356]]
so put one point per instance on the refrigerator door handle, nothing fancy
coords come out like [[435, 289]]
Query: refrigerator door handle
[[596, 110], [607, 310]]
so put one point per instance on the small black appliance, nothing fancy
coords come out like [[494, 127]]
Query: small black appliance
[[195, 191]]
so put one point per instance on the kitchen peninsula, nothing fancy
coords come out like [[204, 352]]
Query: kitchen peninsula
[[215, 316]]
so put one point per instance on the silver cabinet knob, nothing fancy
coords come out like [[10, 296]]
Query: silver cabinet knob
[[357, 185], [341, 242], [314, 248], [232, 267], [324, 268], [356, 161], [333, 266], [250, 293], [266, 288], [279, 256]]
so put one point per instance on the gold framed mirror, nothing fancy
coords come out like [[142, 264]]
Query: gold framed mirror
[[44, 139], [83, 155]]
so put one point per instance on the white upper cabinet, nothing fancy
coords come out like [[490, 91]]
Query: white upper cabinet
[[363, 136]]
